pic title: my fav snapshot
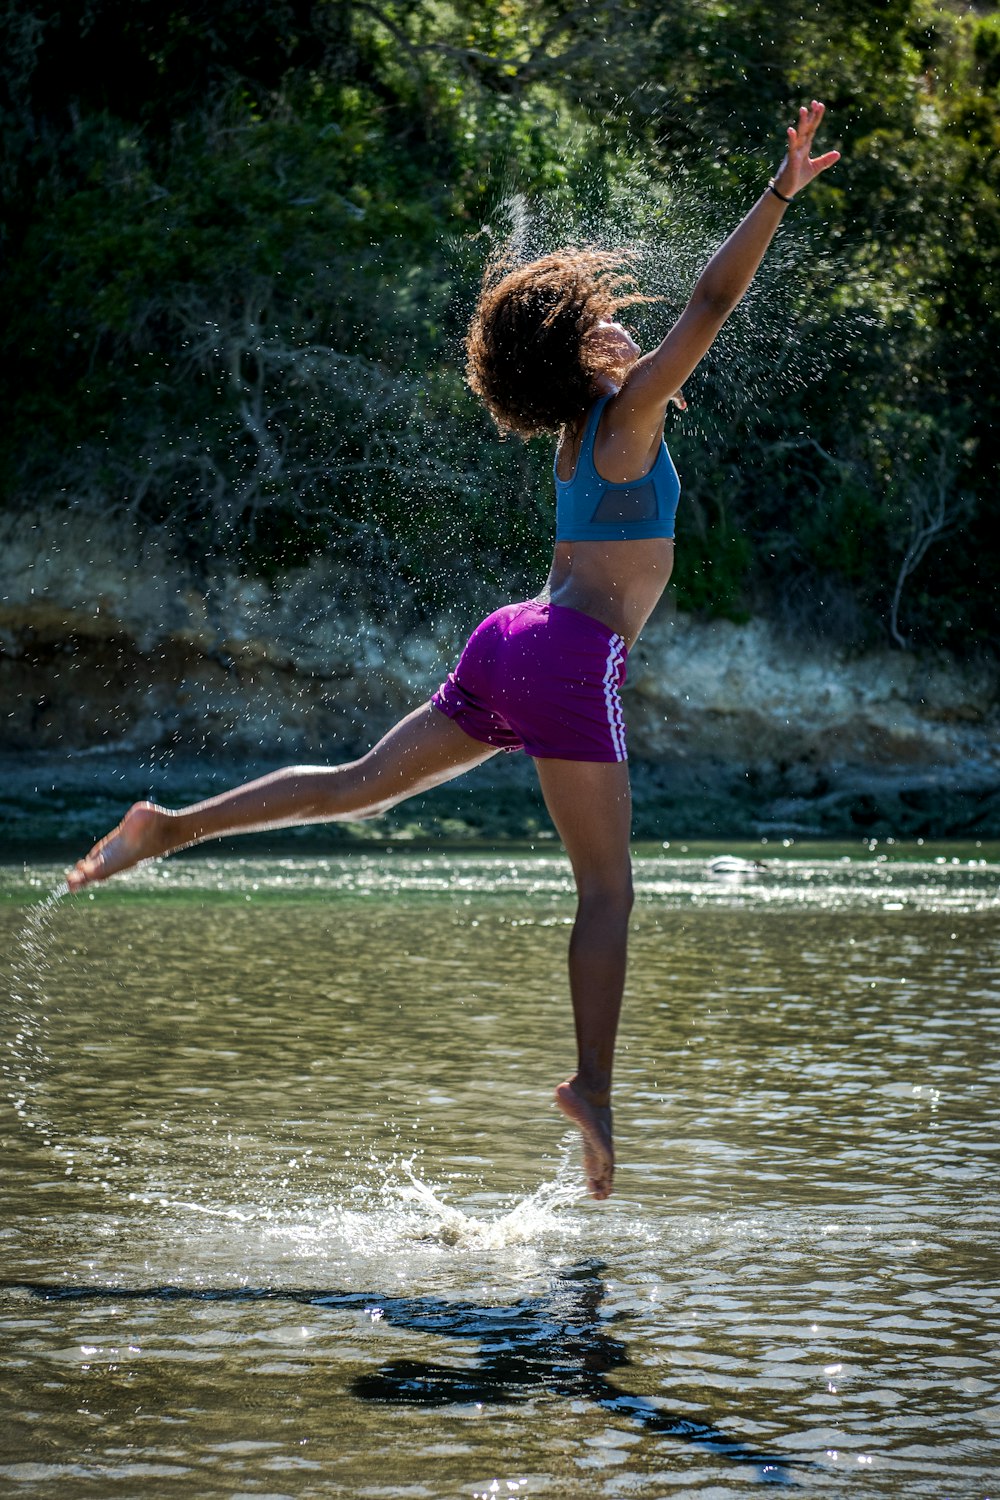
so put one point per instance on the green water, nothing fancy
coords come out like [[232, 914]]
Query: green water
[[287, 1210]]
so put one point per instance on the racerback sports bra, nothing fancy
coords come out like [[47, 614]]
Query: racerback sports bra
[[592, 509]]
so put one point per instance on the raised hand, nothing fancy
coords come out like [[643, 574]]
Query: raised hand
[[798, 167]]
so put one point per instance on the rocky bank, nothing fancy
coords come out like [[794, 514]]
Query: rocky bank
[[123, 671]]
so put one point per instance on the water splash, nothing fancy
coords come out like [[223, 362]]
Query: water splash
[[28, 1067], [393, 1211], [670, 225], [26, 1063], [258, 1186], [527, 1221]]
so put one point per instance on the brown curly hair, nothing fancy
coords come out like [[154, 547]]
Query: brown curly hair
[[526, 351]]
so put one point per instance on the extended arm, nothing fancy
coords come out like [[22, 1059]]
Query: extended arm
[[654, 379]]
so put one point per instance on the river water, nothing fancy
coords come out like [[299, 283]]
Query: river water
[[287, 1211]]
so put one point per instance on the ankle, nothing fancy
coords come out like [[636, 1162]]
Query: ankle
[[158, 829], [165, 831], [595, 1089]]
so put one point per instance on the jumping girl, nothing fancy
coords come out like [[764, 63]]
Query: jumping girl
[[545, 355]]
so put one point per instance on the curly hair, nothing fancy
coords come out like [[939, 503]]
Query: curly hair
[[526, 343]]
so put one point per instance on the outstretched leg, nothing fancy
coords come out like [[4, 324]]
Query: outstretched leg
[[423, 750], [591, 806]]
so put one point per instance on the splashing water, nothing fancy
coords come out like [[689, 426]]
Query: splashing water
[[26, 1062], [391, 1210], [669, 228], [29, 1065], [380, 1207], [528, 1220]]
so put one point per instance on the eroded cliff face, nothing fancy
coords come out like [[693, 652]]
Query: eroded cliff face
[[105, 641]]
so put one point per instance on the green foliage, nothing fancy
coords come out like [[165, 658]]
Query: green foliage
[[240, 247]]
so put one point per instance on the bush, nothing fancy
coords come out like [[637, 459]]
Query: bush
[[241, 248]]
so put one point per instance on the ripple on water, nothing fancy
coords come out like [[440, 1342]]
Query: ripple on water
[[216, 1108], [895, 884]]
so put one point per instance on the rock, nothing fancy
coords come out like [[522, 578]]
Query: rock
[[108, 642]]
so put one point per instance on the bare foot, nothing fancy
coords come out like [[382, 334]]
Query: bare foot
[[594, 1124], [137, 837]]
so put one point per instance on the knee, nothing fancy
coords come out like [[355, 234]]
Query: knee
[[608, 898]]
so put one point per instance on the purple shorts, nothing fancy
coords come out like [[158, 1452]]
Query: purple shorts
[[541, 678]]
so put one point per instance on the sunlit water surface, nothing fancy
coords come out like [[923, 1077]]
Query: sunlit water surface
[[287, 1210]]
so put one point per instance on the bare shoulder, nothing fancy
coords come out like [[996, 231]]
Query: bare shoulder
[[659, 375], [628, 437]]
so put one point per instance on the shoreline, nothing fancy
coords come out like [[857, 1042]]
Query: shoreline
[[66, 800], [126, 674]]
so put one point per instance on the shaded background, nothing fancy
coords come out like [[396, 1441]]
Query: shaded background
[[240, 246]]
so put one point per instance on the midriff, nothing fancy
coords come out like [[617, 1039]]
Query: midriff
[[618, 583]]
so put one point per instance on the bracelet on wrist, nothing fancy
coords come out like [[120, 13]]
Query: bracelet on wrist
[[774, 190]]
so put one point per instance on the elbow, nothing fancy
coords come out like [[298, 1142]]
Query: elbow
[[714, 303]]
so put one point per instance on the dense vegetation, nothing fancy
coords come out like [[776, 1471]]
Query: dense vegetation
[[240, 242]]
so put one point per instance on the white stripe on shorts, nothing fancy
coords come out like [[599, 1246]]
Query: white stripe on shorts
[[612, 697]]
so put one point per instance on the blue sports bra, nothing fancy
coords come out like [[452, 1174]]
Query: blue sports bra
[[592, 509]]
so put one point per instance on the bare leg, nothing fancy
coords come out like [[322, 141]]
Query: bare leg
[[423, 750], [591, 807]]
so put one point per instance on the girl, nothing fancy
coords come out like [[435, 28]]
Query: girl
[[545, 355]]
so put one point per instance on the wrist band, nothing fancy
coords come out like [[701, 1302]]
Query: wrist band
[[774, 190]]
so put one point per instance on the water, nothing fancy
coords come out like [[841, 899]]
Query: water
[[287, 1211]]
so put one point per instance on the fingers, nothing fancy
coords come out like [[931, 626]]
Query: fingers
[[812, 116], [808, 123], [800, 138]]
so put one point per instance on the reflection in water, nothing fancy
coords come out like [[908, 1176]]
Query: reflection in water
[[557, 1343], [218, 1070]]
